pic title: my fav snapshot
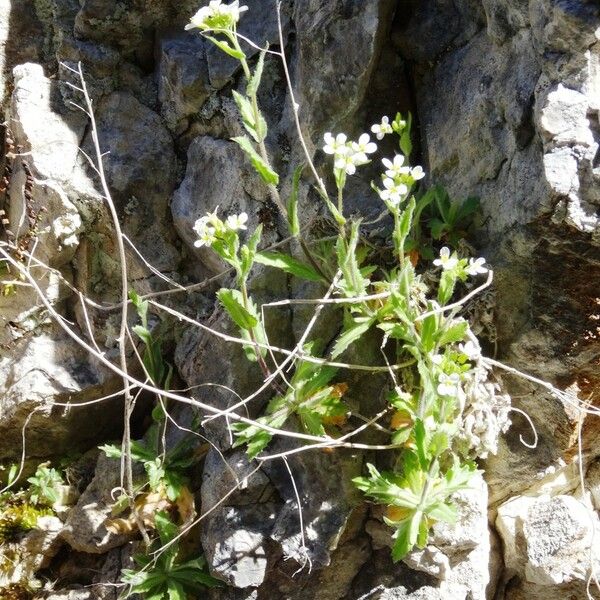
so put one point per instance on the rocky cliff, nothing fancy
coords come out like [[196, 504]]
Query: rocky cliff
[[505, 96]]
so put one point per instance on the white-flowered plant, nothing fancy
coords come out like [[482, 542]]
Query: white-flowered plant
[[336, 145], [395, 168], [393, 192], [382, 129], [363, 148], [217, 16], [440, 396], [476, 267], [447, 260]]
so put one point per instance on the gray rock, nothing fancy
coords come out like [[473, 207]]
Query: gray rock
[[235, 544], [34, 551], [183, 82], [85, 529], [547, 541], [217, 175], [592, 480]]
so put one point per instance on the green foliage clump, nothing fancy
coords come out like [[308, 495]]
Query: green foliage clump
[[18, 517], [166, 577], [45, 486]]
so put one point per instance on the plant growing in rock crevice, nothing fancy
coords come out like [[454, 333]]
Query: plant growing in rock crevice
[[445, 410]]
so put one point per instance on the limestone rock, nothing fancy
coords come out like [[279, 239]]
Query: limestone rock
[[85, 529], [592, 479], [217, 175], [237, 553], [36, 125], [547, 540], [183, 83], [39, 363], [33, 552]]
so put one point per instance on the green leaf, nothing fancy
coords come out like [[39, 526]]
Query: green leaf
[[12, 475], [176, 590], [353, 283], [292, 207], [335, 213], [311, 421], [111, 451], [455, 333], [406, 218], [167, 530], [288, 264], [143, 334], [443, 512], [401, 436], [446, 286], [353, 333], [428, 330], [248, 251], [230, 299], [405, 141], [256, 128], [468, 208], [262, 168], [225, 47], [254, 82], [437, 228], [406, 536]]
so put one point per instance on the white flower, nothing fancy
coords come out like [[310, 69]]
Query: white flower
[[476, 267], [393, 191], [446, 261], [394, 167], [417, 173], [335, 145], [449, 385], [471, 350], [217, 16], [346, 162], [380, 129], [363, 147], [437, 359], [237, 222], [205, 232]]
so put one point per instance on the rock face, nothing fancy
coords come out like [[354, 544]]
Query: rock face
[[506, 101]]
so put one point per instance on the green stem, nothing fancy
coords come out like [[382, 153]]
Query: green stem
[[262, 150]]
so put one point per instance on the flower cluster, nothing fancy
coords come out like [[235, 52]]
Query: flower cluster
[[210, 228], [398, 179], [348, 155], [448, 262], [217, 16]]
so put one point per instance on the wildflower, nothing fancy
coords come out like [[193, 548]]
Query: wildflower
[[417, 173], [476, 267], [394, 167], [446, 261], [471, 350], [449, 385], [380, 129], [393, 191], [217, 16], [205, 232], [363, 147], [237, 222], [346, 162], [335, 145], [437, 359]]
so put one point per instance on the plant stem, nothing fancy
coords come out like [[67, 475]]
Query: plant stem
[[262, 150]]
